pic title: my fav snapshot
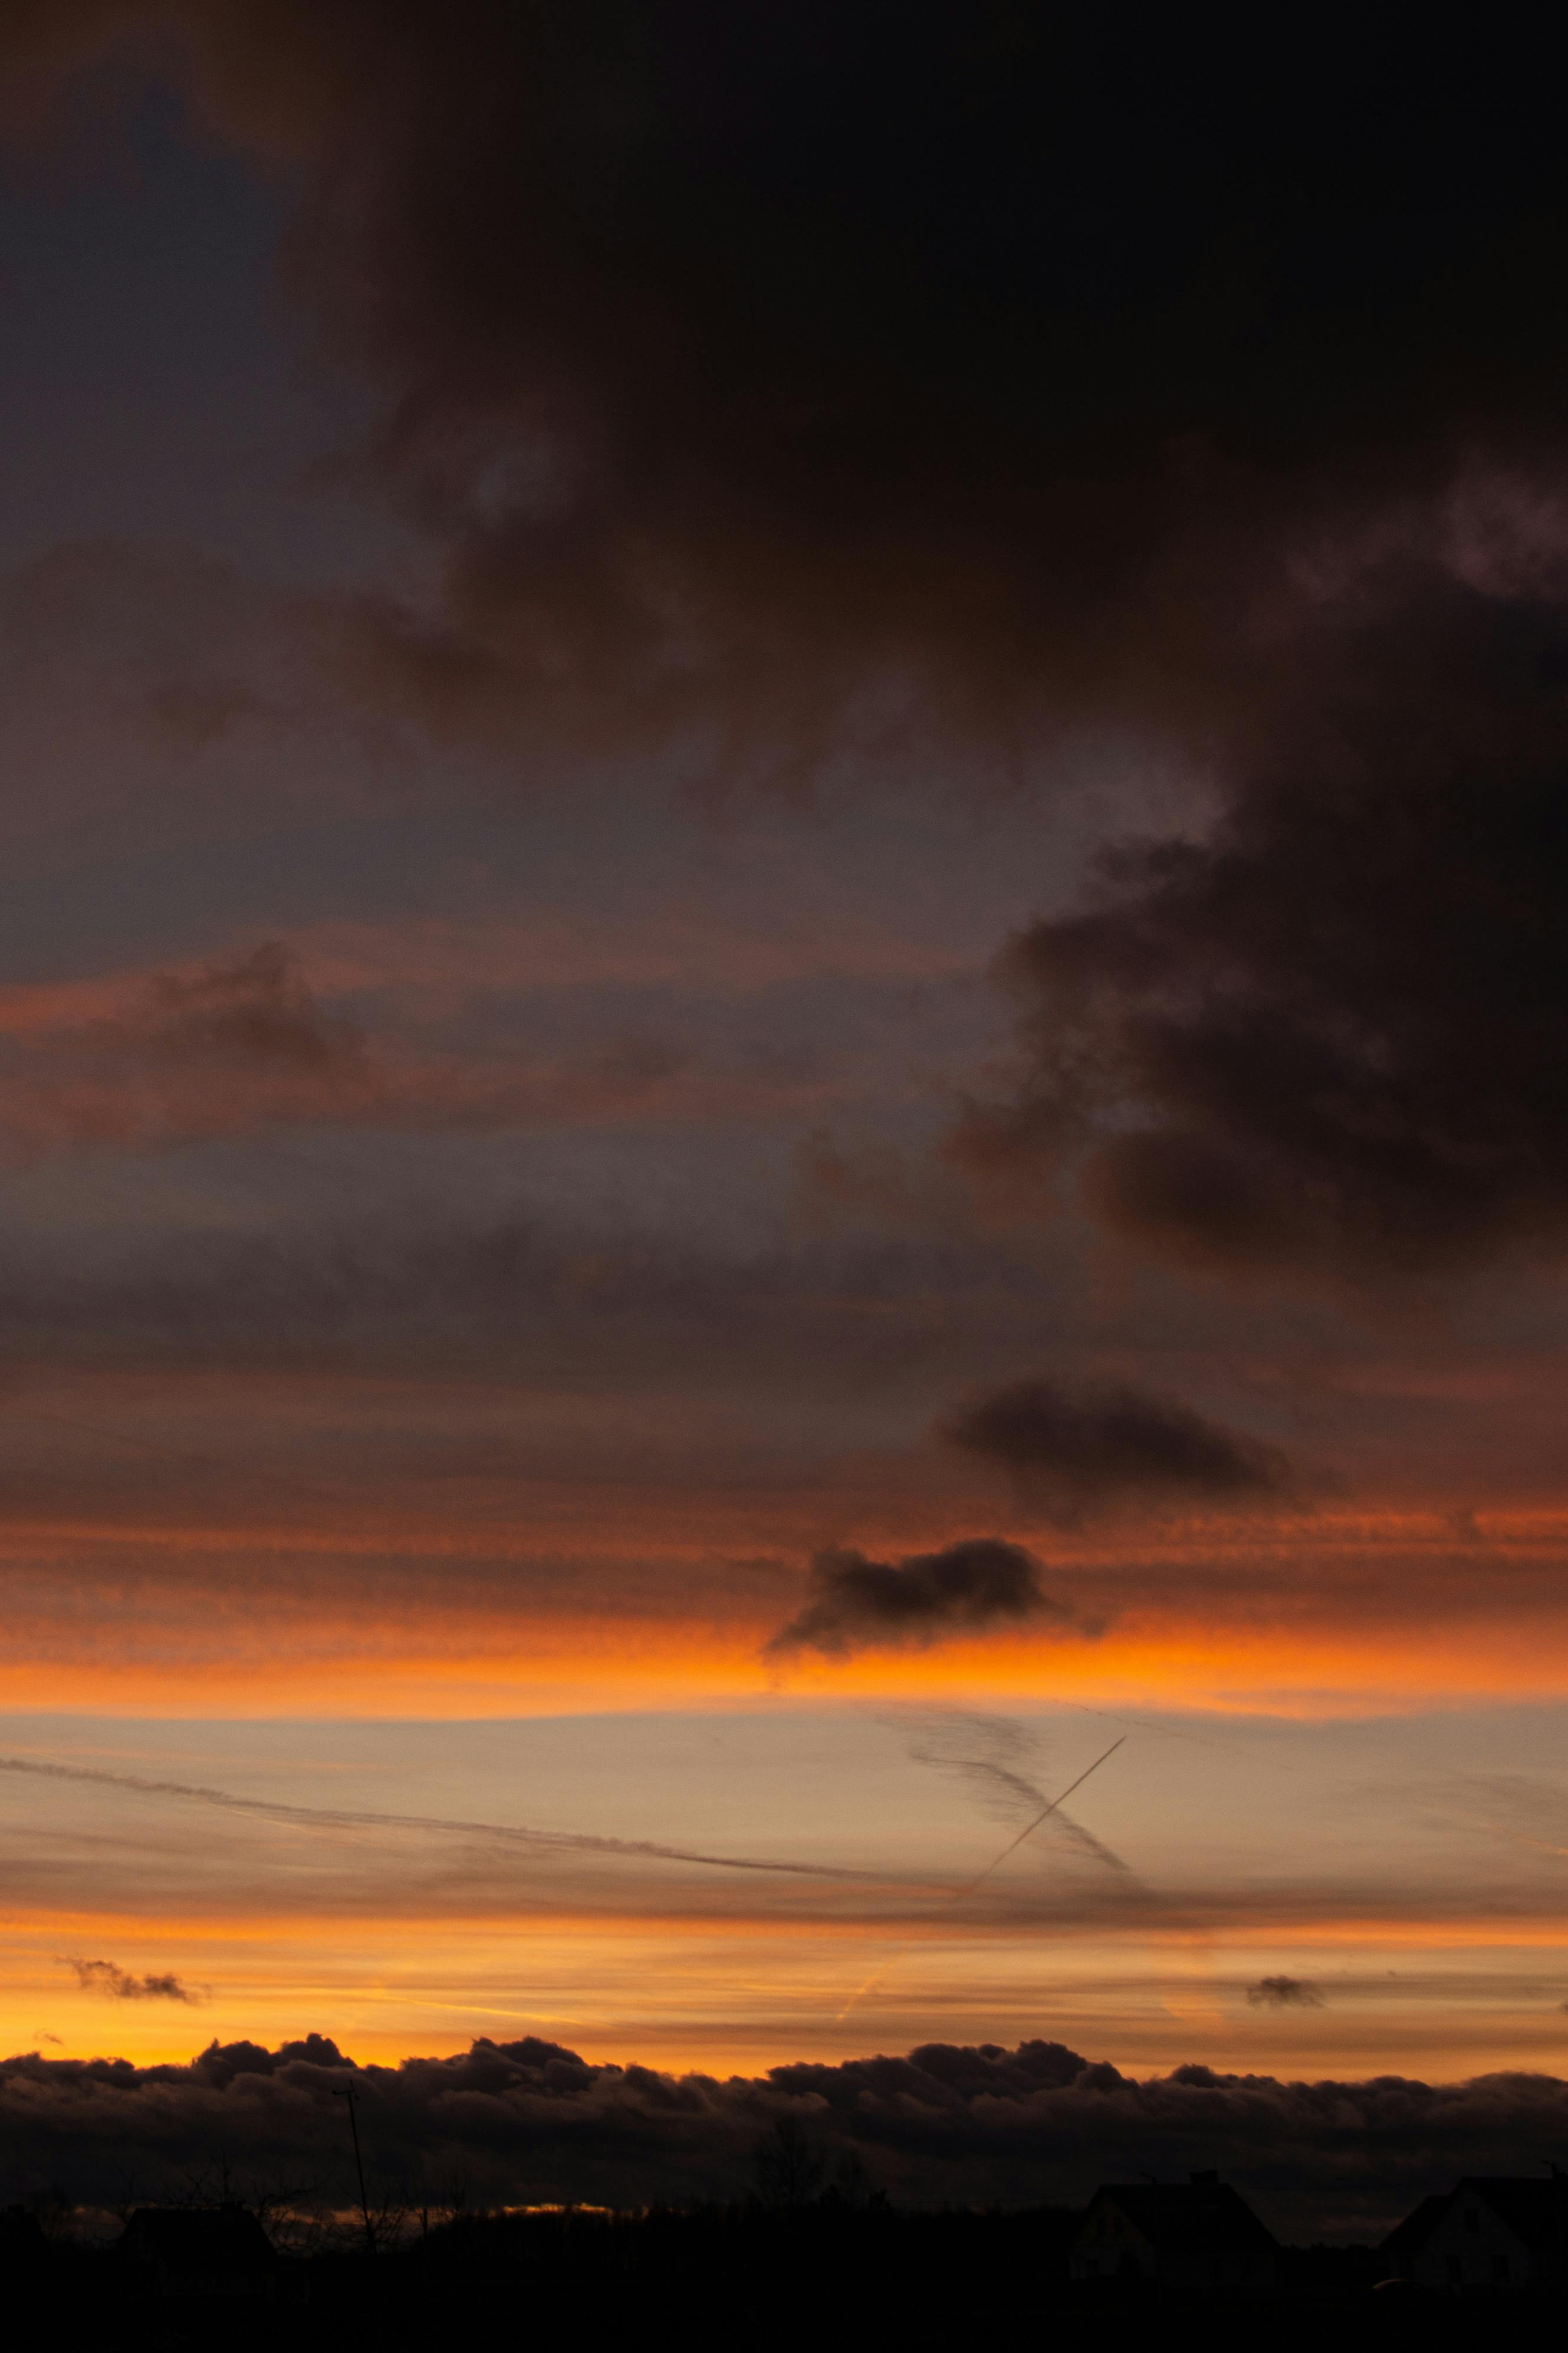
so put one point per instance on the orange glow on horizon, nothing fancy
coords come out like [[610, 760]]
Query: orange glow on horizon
[[461, 1663]]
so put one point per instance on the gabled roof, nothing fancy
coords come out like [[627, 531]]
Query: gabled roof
[[1407, 2238], [1534, 2208], [1185, 2216], [199, 2238]]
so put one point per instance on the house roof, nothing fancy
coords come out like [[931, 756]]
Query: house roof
[[1184, 2215], [1407, 2238], [199, 2238], [1535, 2207]]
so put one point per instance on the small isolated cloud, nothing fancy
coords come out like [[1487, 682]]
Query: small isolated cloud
[[123, 1985], [1084, 1447], [1284, 1993], [860, 1604]]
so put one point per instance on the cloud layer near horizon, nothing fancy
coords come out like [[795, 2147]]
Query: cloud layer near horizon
[[530, 2122]]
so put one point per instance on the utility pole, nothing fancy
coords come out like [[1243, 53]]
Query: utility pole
[[346, 2092]]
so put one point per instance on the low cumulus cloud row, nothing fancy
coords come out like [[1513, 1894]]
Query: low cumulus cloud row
[[530, 2122]]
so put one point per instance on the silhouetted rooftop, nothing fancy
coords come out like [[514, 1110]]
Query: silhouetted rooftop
[[1184, 2215], [1407, 2237], [1533, 2206]]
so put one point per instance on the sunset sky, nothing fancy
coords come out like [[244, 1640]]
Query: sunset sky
[[783, 1031]]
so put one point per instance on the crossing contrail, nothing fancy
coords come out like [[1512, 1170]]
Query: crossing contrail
[[987, 1751], [980, 1878]]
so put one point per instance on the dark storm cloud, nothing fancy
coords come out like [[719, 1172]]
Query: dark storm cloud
[[769, 378], [857, 1604], [124, 1985], [530, 2122], [1334, 1033], [746, 361], [1284, 1993], [761, 372], [1080, 1448]]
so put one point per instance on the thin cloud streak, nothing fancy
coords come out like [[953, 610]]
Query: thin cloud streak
[[226, 1051], [341, 1818]]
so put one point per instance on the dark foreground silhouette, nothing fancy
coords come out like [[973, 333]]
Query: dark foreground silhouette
[[834, 2272]]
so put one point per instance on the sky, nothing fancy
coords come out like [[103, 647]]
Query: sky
[[782, 997]]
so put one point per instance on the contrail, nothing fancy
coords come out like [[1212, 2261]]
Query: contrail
[[1014, 1788], [343, 1817], [981, 1877]]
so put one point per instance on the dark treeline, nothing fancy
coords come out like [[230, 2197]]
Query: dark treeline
[[835, 2272]]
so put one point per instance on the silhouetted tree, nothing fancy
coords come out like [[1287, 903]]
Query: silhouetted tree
[[786, 2165]]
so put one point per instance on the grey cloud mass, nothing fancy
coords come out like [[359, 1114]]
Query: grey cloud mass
[[758, 377], [1330, 1034], [1087, 1447], [857, 1604], [1284, 1993]]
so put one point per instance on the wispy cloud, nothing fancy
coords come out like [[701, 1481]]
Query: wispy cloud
[[234, 1047], [108, 1978], [345, 1818]]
